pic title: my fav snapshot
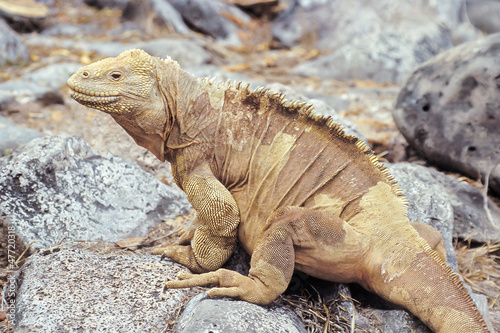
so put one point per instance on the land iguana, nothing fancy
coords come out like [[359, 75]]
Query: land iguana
[[290, 185]]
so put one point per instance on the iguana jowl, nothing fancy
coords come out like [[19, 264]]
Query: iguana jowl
[[289, 185]]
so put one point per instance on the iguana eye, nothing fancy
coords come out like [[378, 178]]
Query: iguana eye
[[115, 75]]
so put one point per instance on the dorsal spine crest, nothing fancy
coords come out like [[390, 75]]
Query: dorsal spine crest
[[334, 128]]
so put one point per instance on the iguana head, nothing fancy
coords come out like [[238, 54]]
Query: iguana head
[[131, 88], [116, 85]]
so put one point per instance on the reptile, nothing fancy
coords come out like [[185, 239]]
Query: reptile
[[288, 184]]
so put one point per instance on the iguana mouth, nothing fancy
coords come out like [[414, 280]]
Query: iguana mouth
[[90, 96], [93, 97]]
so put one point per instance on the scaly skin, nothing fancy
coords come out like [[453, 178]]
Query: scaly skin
[[289, 185]]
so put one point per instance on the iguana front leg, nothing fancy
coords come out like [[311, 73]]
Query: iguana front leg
[[215, 235], [273, 258]]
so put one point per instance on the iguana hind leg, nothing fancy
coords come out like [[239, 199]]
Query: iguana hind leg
[[432, 237], [271, 269]]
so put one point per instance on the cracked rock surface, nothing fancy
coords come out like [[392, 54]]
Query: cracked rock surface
[[58, 188]]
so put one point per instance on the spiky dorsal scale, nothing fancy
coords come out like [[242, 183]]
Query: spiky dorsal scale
[[323, 123]]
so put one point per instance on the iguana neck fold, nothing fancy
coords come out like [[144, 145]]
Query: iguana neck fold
[[197, 113]]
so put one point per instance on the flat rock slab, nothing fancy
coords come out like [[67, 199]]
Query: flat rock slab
[[72, 290], [449, 109], [384, 41], [40, 85], [12, 135], [205, 315], [58, 187]]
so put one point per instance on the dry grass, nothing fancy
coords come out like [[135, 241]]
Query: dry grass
[[480, 268], [317, 314]]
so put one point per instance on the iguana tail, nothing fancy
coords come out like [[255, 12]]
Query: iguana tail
[[429, 289]]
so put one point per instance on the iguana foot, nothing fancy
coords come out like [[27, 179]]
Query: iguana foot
[[182, 254], [432, 237], [231, 284]]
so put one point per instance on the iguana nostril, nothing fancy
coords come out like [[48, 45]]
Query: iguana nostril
[[85, 74]]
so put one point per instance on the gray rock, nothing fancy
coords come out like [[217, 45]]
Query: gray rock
[[24, 91], [188, 52], [392, 321], [58, 187], [383, 42], [469, 220], [106, 49], [168, 16], [6, 99], [12, 135], [450, 11], [42, 84], [206, 16], [335, 103], [383, 57], [328, 24], [69, 30], [54, 75], [449, 109], [163, 12], [185, 51], [12, 48], [484, 14], [116, 4], [207, 315], [72, 290], [482, 305]]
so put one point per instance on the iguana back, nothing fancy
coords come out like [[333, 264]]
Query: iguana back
[[271, 154]]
